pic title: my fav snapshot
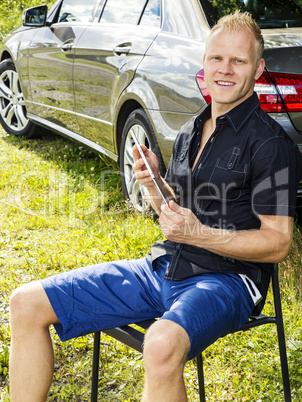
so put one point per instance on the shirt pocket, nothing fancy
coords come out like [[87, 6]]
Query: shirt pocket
[[228, 178]]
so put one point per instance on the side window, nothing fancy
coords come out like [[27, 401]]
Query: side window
[[123, 11], [76, 10], [151, 16]]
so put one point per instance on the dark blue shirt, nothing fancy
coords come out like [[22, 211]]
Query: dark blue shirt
[[249, 166]]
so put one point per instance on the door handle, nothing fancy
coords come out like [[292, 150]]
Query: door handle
[[123, 48], [67, 46]]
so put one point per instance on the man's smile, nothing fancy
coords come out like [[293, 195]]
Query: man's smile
[[225, 83]]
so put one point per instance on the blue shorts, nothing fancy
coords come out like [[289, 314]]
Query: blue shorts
[[107, 295]]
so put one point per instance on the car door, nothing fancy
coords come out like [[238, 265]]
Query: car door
[[106, 57], [50, 63]]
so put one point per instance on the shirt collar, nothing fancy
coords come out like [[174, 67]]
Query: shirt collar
[[234, 116], [241, 113]]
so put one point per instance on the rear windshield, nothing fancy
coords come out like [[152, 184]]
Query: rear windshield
[[267, 13]]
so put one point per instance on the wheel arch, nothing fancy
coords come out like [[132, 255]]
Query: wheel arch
[[6, 55], [128, 107]]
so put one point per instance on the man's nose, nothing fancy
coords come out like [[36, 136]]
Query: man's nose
[[226, 68]]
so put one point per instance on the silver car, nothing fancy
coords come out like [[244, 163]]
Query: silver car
[[96, 71]]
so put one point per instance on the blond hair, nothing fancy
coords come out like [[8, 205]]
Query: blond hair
[[239, 21]]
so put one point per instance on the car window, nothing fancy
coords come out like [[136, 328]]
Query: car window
[[151, 15], [76, 10], [123, 11], [267, 13]]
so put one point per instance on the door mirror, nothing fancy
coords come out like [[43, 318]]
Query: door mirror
[[35, 16]]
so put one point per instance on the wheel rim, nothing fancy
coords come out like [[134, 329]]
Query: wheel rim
[[137, 194], [12, 105]]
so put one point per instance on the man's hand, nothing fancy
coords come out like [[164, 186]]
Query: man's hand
[[271, 243], [140, 170], [179, 224], [144, 178]]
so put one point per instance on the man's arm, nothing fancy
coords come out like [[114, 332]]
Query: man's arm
[[271, 243]]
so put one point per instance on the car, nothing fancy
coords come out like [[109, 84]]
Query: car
[[98, 71]]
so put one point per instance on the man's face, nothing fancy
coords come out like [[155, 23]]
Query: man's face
[[231, 68]]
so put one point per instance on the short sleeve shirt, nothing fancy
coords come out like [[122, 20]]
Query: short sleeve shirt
[[249, 167]]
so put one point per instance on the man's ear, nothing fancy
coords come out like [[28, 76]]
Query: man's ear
[[260, 69]]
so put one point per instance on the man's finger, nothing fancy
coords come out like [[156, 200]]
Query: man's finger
[[135, 153], [177, 208]]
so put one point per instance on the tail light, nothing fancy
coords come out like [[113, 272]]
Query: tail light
[[280, 92], [277, 92], [202, 86]]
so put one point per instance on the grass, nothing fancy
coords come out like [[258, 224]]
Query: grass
[[61, 207]]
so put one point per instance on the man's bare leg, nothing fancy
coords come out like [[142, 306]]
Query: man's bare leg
[[31, 356], [165, 354]]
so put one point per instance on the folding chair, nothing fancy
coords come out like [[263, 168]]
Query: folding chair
[[134, 338]]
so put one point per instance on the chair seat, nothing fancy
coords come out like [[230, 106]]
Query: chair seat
[[130, 336], [134, 337], [257, 320]]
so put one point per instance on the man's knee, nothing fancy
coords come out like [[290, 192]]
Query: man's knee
[[166, 347], [29, 304]]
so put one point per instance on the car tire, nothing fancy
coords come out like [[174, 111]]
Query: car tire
[[13, 115], [139, 122]]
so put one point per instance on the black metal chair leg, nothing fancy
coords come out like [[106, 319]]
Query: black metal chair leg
[[202, 394], [95, 367], [284, 365], [281, 340]]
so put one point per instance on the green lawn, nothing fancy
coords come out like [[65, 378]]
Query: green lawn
[[61, 207]]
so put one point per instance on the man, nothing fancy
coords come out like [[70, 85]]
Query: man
[[234, 173]]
